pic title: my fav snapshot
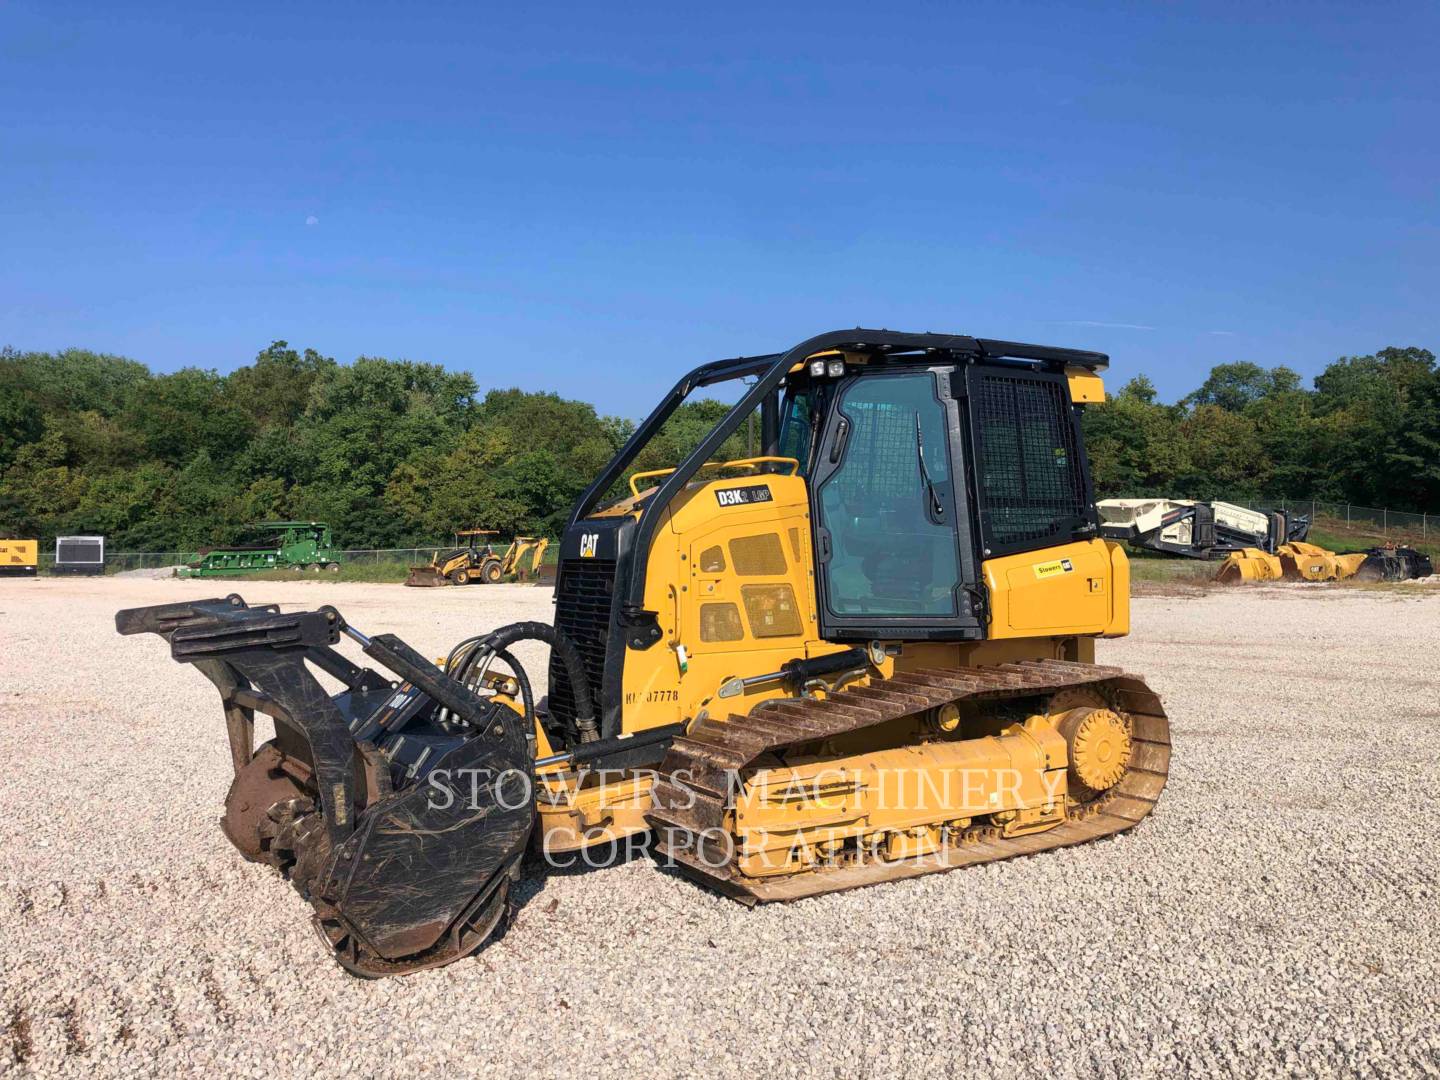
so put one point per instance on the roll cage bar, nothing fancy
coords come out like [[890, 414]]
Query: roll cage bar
[[770, 371]]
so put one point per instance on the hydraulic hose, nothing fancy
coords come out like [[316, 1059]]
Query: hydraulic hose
[[469, 662], [497, 642]]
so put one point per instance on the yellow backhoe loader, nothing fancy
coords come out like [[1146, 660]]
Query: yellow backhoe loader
[[864, 654], [476, 563], [523, 558], [470, 560]]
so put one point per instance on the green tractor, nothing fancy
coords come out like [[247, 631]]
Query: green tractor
[[277, 545]]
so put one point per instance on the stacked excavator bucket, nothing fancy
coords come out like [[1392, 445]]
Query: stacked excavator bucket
[[1249, 564], [1294, 561], [1308, 562], [1299, 561]]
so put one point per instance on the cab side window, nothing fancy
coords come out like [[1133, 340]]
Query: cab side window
[[796, 431]]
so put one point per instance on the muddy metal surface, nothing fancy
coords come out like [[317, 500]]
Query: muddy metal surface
[[1276, 913]]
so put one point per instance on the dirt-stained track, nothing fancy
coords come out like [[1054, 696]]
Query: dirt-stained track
[[715, 752], [1248, 927]]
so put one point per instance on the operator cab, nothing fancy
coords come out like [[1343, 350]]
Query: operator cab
[[920, 468], [923, 456]]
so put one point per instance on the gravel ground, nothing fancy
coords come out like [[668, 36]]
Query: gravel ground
[[1276, 915]]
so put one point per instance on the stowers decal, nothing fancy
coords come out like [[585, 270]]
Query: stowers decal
[[1050, 569]]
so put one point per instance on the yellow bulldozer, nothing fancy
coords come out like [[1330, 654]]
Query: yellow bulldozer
[[472, 561], [864, 654]]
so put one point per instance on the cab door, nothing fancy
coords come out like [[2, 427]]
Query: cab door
[[893, 550]]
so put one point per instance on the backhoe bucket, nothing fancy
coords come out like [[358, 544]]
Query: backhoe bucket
[[399, 807]]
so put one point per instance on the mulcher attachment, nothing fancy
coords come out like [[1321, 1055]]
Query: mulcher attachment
[[399, 808], [1397, 563]]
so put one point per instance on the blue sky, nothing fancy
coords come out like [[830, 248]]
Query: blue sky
[[589, 198]]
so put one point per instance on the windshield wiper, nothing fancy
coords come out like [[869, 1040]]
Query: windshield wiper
[[937, 508]]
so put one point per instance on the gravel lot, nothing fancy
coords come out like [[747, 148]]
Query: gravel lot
[[1276, 915]]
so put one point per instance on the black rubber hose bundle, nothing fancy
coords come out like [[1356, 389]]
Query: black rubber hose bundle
[[463, 660], [498, 642]]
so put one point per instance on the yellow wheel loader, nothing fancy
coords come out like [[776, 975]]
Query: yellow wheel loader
[[865, 654]]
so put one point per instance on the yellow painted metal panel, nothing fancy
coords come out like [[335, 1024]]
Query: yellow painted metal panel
[[1085, 386], [19, 554], [1066, 589]]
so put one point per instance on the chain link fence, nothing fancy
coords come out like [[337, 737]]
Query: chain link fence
[[1366, 520], [1370, 520], [409, 556], [120, 561]]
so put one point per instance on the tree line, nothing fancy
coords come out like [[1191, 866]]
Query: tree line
[[1367, 432], [394, 453], [391, 453]]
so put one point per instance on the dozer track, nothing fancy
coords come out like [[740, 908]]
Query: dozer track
[[715, 752]]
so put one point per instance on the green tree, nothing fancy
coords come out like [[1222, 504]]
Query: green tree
[[519, 467], [1135, 443], [275, 390], [1226, 458], [1236, 386], [393, 452], [1380, 431]]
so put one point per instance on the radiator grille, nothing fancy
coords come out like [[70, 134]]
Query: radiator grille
[[582, 613], [79, 549], [758, 555], [1032, 483]]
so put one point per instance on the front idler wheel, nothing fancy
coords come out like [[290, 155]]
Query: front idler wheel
[[1098, 741]]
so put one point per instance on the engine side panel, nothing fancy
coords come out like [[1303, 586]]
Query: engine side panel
[[1079, 588], [731, 576]]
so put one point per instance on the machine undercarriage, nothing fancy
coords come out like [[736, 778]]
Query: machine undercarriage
[[945, 769]]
